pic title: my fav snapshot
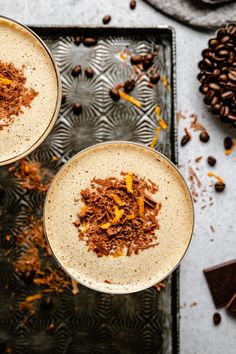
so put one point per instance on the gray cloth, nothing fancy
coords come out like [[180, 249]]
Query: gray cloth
[[197, 13]]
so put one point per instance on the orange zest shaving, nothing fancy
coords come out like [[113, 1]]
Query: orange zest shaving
[[155, 138], [33, 297], [117, 254], [129, 182], [106, 225], [212, 174], [118, 200], [8, 237], [161, 121], [130, 216], [118, 214], [165, 82], [141, 207], [4, 80], [84, 226], [83, 211], [130, 99]]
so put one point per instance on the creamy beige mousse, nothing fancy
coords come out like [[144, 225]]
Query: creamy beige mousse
[[123, 274], [20, 47]]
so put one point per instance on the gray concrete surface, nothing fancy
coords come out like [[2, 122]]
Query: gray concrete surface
[[197, 332]]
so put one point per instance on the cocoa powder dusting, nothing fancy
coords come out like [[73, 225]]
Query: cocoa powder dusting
[[13, 93], [119, 216]]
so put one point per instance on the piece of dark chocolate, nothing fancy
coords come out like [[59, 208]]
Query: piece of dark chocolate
[[221, 281]]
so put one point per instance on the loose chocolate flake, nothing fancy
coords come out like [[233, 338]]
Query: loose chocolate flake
[[119, 216], [13, 93], [216, 318]]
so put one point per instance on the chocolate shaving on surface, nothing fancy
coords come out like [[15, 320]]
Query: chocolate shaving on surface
[[13, 93], [119, 217], [195, 125]]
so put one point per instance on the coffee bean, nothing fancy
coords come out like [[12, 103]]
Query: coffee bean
[[214, 100], [213, 42], [204, 137], [221, 33], [89, 42], [223, 53], [185, 139], [210, 94], [228, 142], [232, 116], [77, 108], [147, 61], [129, 85], [232, 75], [216, 73], [132, 4], [89, 72], [219, 59], [76, 71], [224, 111], [106, 19], [225, 39], [114, 93], [211, 161], [223, 77], [216, 108], [207, 63], [136, 59], [204, 89], [155, 78], [77, 40], [219, 47], [227, 95], [216, 318], [219, 187], [231, 29], [214, 86]]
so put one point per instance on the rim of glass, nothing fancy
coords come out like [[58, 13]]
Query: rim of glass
[[108, 287], [58, 100]]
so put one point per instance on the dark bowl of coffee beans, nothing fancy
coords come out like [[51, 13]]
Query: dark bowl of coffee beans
[[218, 74]]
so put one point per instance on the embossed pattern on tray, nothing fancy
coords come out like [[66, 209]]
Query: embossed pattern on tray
[[89, 322]]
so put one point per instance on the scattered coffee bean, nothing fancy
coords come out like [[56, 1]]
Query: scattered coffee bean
[[76, 71], [219, 187], [89, 42], [147, 61], [228, 142], [216, 318], [106, 19], [132, 4], [185, 139], [129, 85], [204, 137], [114, 93], [77, 40], [136, 59], [155, 78], [77, 108], [211, 161], [89, 72]]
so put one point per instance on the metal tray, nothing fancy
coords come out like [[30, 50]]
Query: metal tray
[[91, 322]]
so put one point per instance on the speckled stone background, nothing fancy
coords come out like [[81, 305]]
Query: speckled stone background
[[197, 332]]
